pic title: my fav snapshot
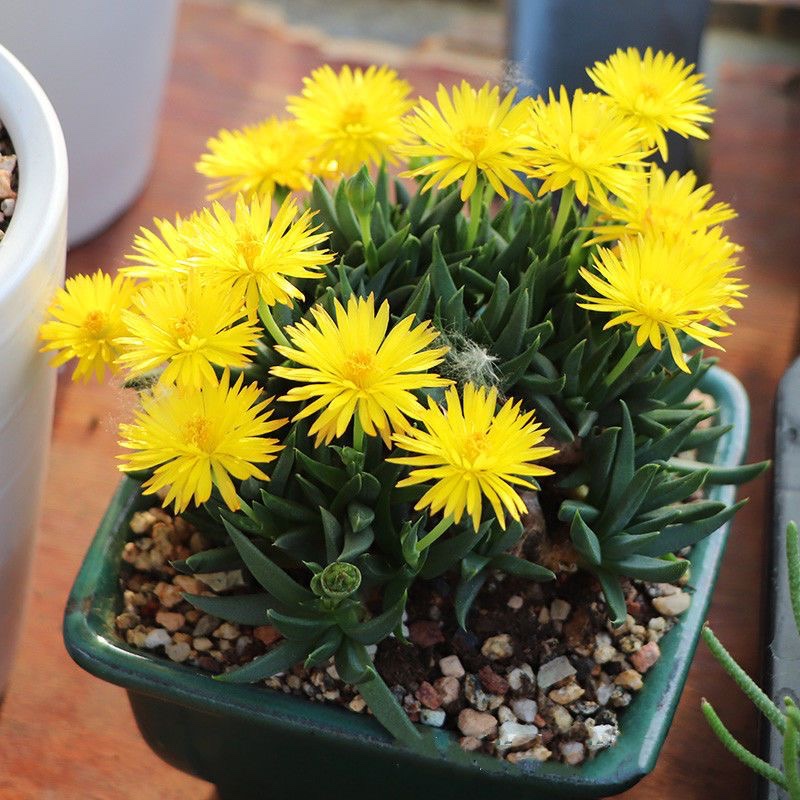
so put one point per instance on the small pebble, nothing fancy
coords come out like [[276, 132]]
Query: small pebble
[[451, 666], [168, 594], [566, 694], [538, 753], [476, 723], [559, 609], [629, 679], [202, 644], [554, 671], [205, 625], [512, 735], [469, 744], [672, 605], [425, 633], [222, 581], [433, 717], [525, 709], [227, 631], [428, 696], [498, 648], [357, 704], [475, 695], [448, 688], [179, 651], [573, 752], [171, 620], [158, 637], [602, 737], [491, 681], [646, 657], [515, 602], [520, 677], [267, 634]]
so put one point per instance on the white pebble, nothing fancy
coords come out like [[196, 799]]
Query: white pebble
[[158, 637], [451, 666], [525, 709]]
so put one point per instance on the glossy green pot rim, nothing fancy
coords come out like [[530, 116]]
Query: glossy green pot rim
[[92, 642]]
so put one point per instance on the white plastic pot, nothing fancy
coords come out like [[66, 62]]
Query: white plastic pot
[[104, 65], [31, 268]]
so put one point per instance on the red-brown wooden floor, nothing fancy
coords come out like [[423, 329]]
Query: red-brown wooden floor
[[65, 735]]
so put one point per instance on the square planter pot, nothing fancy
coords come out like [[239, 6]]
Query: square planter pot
[[252, 742]]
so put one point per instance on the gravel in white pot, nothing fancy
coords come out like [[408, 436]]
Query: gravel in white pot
[[31, 267], [104, 65]]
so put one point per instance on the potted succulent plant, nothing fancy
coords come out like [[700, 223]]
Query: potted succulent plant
[[31, 266], [430, 452]]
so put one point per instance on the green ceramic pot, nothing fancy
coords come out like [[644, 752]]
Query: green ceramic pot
[[253, 743]]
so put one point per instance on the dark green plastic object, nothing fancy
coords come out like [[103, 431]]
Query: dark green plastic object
[[255, 743]]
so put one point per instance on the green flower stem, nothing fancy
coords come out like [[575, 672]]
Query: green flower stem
[[574, 259], [624, 362], [743, 680], [742, 753], [564, 207], [476, 203], [791, 740], [793, 566], [269, 323], [387, 710], [430, 538], [365, 223], [358, 433]]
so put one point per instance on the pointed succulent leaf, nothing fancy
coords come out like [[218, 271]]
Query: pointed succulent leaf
[[538, 384], [572, 367], [601, 449], [465, 594], [552, 418], [495, 308], [653, 521], [325, 648], [268, 574], [668, 490], [569, 508], [217, 559], [279, 659], [623, 465], [418, 302], [615, 599], [620, 512], [360, 516], [507, 343], [445, 553], [244, 609], [702, 437], [352, 661], [645, 568], [312, 493], [304, 629], [675, 537], [283, 466], [441, 280], [287, 509], [330, 476], [585, 541], [521, 568], [378, 628], [718, 475], [621, 545], [665, 447], [356, 543], [348, 223], [322, 203]]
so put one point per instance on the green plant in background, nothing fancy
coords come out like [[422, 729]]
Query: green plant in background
[[787, 721], [370, 385]]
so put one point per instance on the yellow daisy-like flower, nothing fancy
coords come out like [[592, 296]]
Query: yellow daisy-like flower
[[667, 206], [656, 92], [165, 254], [353, 366], [88, 323], [187, 327], [661, 287], [196, 438], [355, 115], [258, 159], [583, 143], [471, 133], [253, 257], [472, 453]]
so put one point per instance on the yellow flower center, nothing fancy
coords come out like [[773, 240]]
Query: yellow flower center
[[358, 368], [249, 250], [184, 327], [198, 431], [473, 138], [474, 445], [352, 119], [94, 323]]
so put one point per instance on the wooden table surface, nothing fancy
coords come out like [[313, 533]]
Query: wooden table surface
[[65, 735]]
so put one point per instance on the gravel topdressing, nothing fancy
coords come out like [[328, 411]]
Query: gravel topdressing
[[540, 674], [8, 180]]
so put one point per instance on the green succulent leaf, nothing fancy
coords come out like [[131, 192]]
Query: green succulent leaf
[[648, 569], [521, 568], [378, 628], [465, 594], [244, 609], [585, 541], [279, 659]]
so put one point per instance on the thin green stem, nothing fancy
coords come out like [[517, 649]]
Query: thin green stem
[[743, 680], [269, 323], [574, 259], [564, 207], [476, 202], [742, 753], [358, 433], [624, 362], [790, 766], [793, 567], [430, 538], [365, 223]]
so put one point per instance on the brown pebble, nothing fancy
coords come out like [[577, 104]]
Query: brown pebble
[[425, 633], [629, 679], [644, 658], [209, 664], [171, 620], [188, 584], [469, 743], [449, 689], [268, 634], [491, 681], [168, 594], [428, 696]]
